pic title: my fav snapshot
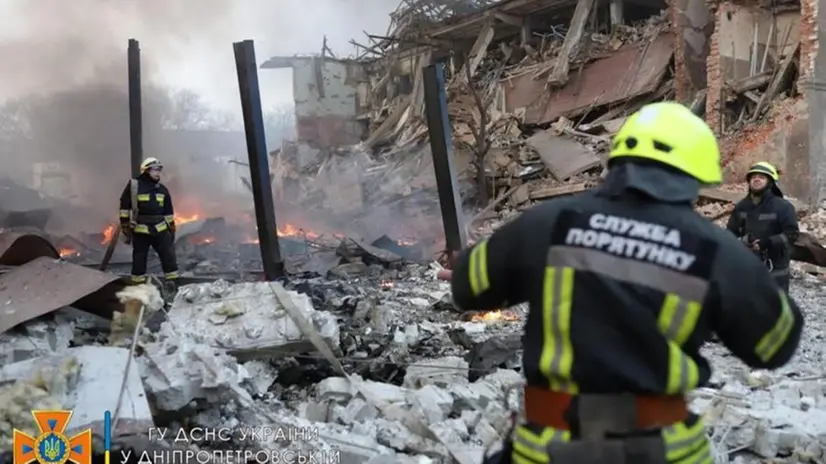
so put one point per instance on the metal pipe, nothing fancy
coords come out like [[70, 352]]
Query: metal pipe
[[441, 147], [259, 163], [135, 107]]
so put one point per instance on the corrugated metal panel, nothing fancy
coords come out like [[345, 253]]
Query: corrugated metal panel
[[20, 248], [631, 71], [45, 284]]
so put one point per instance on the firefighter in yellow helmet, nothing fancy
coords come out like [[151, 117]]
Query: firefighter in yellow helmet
[[147, 220], [624, 284], [766, 222]]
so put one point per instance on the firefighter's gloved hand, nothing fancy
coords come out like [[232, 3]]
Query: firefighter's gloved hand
[[127, 233], [762, 244], [173, 227]]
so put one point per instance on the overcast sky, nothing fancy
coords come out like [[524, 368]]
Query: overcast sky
[[50, 44]]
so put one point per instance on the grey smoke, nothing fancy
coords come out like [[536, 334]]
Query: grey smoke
[[63, 85]]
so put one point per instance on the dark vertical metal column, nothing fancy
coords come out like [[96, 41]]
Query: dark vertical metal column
[[441, 147], [259, 164], [135, 107]]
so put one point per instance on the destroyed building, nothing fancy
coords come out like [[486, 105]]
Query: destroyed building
[[361, 342]]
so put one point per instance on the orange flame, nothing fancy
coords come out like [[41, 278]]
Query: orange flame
[[290, 230], [181, 219], [495, 316], [108, 233], [67, 252]]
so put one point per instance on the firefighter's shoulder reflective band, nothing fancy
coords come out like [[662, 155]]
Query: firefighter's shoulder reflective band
[[532, 447], [143, 197], [774, 339], [678, 318], [124, 213], [686, 443], [629, 270], [683, 373], [557, 356], [478, 268]]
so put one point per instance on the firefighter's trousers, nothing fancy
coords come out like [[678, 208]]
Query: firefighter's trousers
[[164, 244], [681, 443]]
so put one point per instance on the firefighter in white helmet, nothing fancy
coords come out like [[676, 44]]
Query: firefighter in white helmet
[[147, 220]]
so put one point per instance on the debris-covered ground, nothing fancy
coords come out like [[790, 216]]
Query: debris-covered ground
[[376, 364]]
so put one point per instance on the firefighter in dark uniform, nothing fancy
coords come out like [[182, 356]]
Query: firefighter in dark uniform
[[624, 284], [766, 222], [153, 225]]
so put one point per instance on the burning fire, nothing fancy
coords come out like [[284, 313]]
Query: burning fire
[[497, 315], [108, 233], [290, 230], [181, 219], [67, 252]]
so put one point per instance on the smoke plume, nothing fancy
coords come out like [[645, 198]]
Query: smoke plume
[[64, 86]]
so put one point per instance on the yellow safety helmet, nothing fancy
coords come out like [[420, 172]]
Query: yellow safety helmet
[[150, 163], [765, 168], [669, 133]]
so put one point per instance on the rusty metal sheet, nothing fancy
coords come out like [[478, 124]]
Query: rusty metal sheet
[[46, 284], [632, 71], [19, 248]]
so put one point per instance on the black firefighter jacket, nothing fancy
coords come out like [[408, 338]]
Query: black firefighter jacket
[[624, 291], [155, 211], [773, 219]]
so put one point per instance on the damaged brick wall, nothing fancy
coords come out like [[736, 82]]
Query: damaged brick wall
[[786, 136], [714, 71], [808, 40], [694, 25]]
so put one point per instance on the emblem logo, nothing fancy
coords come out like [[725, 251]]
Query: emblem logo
[[52, 446]]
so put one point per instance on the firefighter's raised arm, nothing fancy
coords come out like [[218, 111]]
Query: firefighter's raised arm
[[753, 317], [489, 275]]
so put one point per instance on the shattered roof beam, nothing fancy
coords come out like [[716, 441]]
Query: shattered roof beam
[[469, 24]]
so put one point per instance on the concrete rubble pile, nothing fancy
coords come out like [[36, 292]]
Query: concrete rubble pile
[[249, 354], [376, 360]]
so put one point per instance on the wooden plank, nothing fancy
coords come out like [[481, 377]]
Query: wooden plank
[[750, 83], [551, 192], [559, 75]]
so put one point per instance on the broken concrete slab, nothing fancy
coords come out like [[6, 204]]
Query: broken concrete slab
[[563, 156], [81, 379], [37, 338], [177, 371], [246, 318], [442, 372]]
